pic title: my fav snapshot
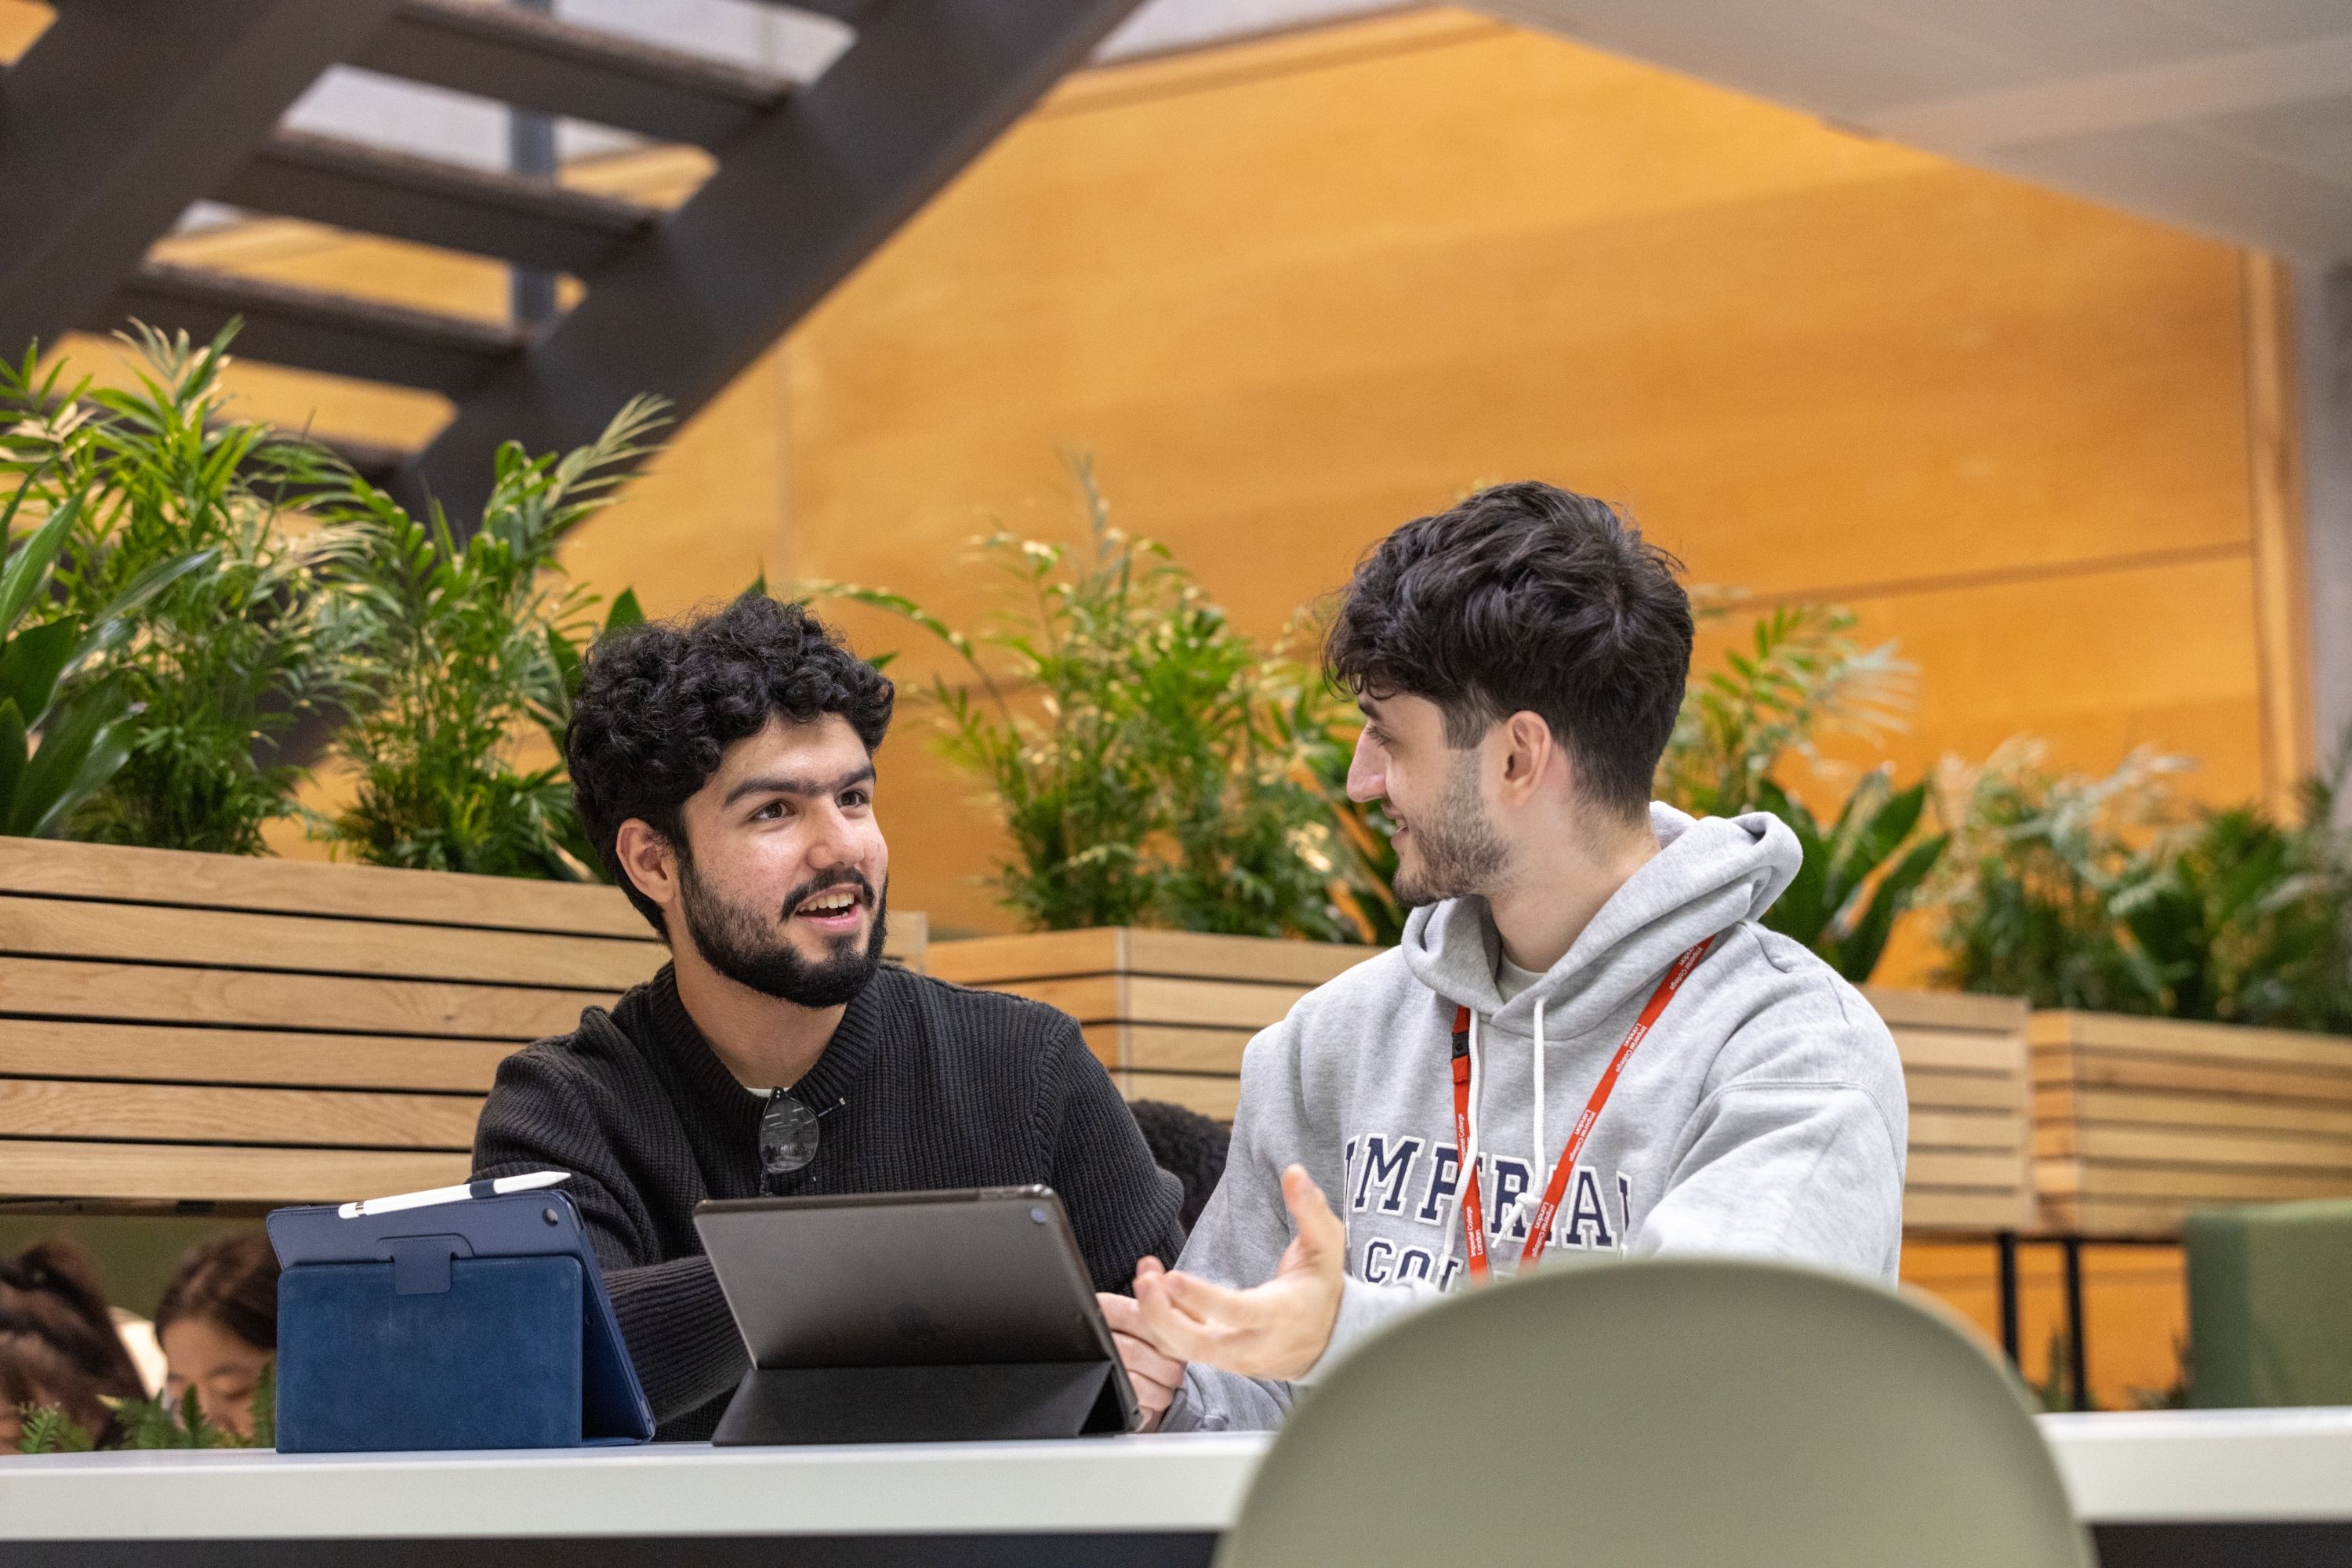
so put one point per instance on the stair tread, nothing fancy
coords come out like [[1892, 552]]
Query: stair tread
[[241, 291], [351, 185], [359, 162], [553, 66]]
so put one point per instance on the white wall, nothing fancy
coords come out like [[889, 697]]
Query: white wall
[[2324, 323]]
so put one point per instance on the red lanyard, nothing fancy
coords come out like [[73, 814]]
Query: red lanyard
[[1540, 1232]]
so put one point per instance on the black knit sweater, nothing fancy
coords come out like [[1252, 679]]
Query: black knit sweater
[[941, 1087]]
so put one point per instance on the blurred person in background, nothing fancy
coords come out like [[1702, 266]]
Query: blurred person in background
[[52, 1289], [35, 1373], [218, 1326], [58, 1344]]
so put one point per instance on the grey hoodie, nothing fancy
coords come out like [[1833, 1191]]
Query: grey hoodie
[[1763, 1116]]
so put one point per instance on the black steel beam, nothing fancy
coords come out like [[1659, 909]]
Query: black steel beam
[[2005, 1255], [798, 201], [311, 330], [328, 180], [2078, 1356], [535, 62], [851, 11], [122, 113]]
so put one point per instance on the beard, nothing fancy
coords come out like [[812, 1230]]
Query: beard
[[1460, 851], [742, 944]]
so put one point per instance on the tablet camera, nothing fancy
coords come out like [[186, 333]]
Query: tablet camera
[[1040, 1215]]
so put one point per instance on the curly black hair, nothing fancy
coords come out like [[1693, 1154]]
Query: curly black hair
[[661, 703], [1527, 596]]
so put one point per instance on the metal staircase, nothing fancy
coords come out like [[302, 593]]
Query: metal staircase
[[125, 111]]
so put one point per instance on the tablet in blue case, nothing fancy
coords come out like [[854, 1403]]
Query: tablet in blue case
[[479, 1324]]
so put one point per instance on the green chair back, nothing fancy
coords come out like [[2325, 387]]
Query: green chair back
[[1679, 1413], [2269, 1304]]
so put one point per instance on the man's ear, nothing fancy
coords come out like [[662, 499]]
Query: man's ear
[[647, 861], [1530, 755]]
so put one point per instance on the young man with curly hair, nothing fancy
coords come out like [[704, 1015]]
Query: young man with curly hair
[[1585, 1042], [724, 768]]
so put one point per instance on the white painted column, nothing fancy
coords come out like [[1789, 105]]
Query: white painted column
[[2324, 330]]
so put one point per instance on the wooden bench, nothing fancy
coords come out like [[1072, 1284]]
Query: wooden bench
[[1168, 1013], [2136, 1122], [205, 1028], [1964, 1070]]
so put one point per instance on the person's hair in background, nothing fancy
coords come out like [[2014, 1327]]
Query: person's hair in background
[[35, 1375], [218, 1326], [51, 1290], [1526, 596], [1188, 1145]]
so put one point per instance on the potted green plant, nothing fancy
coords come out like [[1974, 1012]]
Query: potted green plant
[[65, 720], [2192, 972], [1797, 679], [1159, 776], [465, 648], [228, 659], [1152, 764]]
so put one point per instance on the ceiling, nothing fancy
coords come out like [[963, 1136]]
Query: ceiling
[[2230, 117]]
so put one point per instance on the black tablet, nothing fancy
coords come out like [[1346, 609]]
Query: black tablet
[[990, 1277]]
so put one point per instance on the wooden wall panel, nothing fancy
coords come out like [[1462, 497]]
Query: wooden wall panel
[[1402, 257], [1295, 292]]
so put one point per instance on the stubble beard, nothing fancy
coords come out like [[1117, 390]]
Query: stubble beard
[[1459, 850]]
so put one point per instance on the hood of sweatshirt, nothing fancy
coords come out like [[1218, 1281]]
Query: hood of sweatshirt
[[1708, 875]]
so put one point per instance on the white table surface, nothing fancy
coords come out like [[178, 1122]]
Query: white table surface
[[2155, 1467]]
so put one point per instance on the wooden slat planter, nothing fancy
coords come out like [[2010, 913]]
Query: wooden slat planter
[[1168, 1013], [179, 1028], [2136, 1122], [1964, 1069]]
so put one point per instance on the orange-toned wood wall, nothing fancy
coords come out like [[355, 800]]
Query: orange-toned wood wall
[[1292, 293]]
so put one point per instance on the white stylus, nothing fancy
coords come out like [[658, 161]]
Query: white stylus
[[494, 1188]]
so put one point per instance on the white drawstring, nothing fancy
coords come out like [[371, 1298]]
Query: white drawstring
[[1526, 1204], [1537, 1171]]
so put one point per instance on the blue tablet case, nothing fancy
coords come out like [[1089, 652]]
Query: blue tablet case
[[479, 1324]]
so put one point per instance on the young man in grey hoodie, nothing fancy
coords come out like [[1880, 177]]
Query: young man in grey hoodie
[[1583, 996]]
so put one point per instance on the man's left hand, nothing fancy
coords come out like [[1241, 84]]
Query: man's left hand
[[1279, 1329], [1154, 1377]]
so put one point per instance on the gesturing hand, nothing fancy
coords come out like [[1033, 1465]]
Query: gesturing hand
[[1154, 1377], [1277, 1329]]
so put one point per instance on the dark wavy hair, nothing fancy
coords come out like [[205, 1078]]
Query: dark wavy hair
[[230, 1281], [51, 1292], [661, 703], [1526, 597]]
